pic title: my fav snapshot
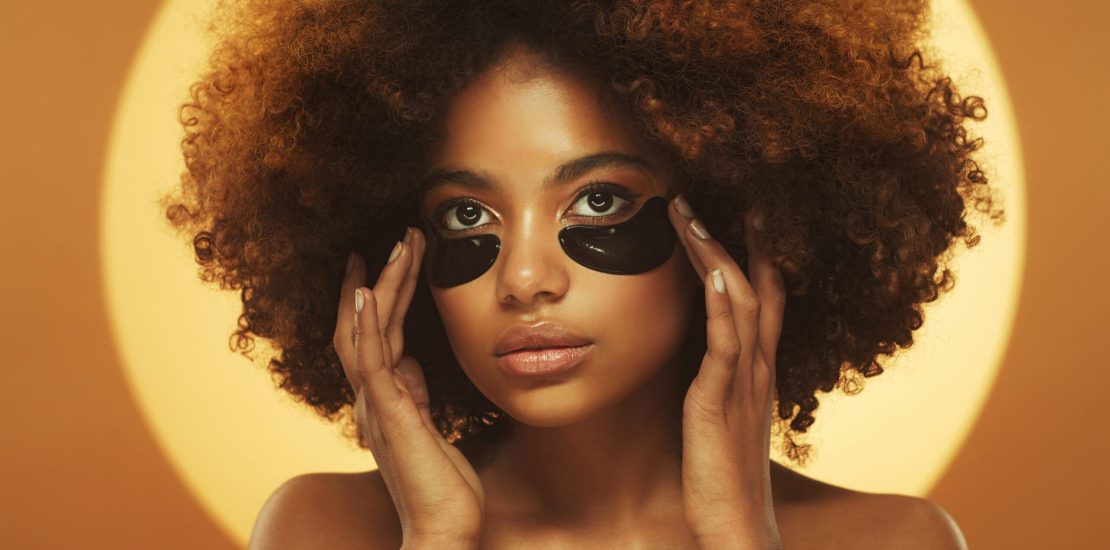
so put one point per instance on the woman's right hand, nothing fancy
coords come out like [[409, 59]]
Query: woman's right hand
[[436, 491]]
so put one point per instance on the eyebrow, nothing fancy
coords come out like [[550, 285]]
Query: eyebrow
[[566, 172]]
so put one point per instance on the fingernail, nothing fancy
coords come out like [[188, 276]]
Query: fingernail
[[396, 251], [358, 300], [699, 229], [350, 262], [718, 281], [408, 235], [757, 222], [683, 207]]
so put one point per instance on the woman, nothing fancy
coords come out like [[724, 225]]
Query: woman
[[593, 244]]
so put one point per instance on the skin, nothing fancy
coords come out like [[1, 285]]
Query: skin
[[556, 471], [591, 460]]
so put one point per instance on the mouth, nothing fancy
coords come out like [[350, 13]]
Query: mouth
[[543, 361], [537, 348], [541, 349], [538, 337]]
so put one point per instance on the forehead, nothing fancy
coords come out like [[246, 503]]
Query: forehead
[[519, 120]]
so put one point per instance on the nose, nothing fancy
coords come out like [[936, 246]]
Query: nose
[[532, 266]]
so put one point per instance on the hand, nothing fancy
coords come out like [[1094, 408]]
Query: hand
[[436, 491], [726, 417]]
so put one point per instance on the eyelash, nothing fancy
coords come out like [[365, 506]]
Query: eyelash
[[594, 187]]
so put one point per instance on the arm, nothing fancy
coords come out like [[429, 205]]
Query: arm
[[726, 416]]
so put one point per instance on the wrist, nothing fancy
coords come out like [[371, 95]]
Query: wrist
[[755, 528], [431, 545], [425, 543], [768, 541]]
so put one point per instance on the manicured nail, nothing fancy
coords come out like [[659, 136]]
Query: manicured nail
[[718, 281], [408, 235], [396, 251], [683, 207], [350, 262], [699, 229], [358, 300]]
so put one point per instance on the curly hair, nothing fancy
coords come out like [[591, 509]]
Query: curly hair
[[305, 133]]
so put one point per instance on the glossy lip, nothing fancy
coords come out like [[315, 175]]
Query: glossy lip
[[546, 334], [543, 362]]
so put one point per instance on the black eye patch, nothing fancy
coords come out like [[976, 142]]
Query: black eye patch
[[635, 246]]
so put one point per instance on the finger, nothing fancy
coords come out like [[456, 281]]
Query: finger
[[718, 370], [679, 220], [385, 291], [369, 431], [395, 331], [390, 403], [745, 303], [767, 281], [391, 422], [395, 433], [371, 368], [343, 339], [417, 387]]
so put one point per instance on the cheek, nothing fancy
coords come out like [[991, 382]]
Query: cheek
[[645, 317], [466, 322]]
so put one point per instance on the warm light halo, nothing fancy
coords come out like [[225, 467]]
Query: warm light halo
[[222, 424]]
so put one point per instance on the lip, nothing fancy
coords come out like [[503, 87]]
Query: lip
[[543, 362], [541, 335]]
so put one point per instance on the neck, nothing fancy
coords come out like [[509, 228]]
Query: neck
[[619, 466]]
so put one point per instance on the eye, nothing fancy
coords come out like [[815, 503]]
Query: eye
[[460, 215], [603, 200], [596, 201]]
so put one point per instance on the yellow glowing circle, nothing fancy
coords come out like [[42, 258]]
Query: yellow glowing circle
[[233, 438]]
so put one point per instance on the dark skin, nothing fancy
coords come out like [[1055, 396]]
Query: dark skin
[[553, 484], [355, 511]]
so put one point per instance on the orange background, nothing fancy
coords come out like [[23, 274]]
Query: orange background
[[81, 470]]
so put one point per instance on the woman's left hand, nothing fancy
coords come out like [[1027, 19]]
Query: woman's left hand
[[726, 420]]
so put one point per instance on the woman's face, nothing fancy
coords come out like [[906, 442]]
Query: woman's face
[[512, 129]]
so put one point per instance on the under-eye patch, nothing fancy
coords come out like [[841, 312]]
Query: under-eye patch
[[638, 245]]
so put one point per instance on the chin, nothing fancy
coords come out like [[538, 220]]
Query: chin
[[548, 405], [596, 385], [553, 402]]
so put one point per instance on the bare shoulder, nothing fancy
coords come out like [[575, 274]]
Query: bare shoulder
[[328, 510], [904, 521], [815, 514]]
